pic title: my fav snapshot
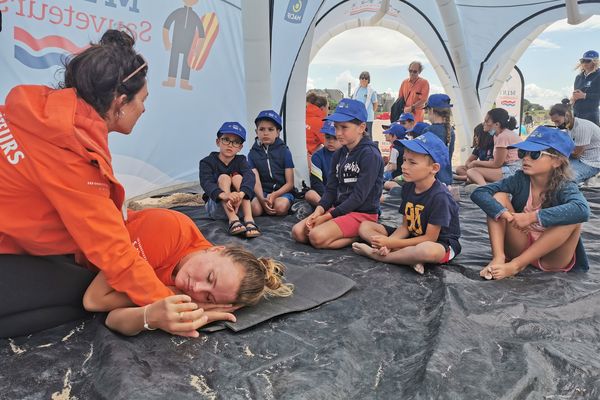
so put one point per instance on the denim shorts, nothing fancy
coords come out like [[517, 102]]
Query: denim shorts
[[581, 171], [510, 169], [288, 195]]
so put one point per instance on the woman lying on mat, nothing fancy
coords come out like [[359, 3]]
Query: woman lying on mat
[[213, 280]]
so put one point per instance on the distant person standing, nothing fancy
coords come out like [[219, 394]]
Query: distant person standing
[[414, 91], [365, 93], [586, 93]]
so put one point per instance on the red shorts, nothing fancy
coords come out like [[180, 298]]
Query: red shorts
[[350, 222], [450, 254], [538, 263]]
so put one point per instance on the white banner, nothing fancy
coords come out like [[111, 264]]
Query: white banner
[[511, 95]]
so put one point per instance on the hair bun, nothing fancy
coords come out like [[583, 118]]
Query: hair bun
[[118, 38], [565, 101]]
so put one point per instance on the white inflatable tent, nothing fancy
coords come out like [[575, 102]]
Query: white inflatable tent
[[255, 55]]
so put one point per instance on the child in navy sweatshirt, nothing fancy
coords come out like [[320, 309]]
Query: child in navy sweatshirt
[[320, 164], [229, 182], [354, 185]]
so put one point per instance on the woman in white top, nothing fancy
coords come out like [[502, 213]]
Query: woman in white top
[[505, 162]]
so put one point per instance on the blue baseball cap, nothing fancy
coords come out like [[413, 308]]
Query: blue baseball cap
[[270, 115], [429, 143], [347, 110], [418, 128], [406, 117], [234, 128], [328, 128], [545, 137], [590, 55], [439, 100], [397, 130]]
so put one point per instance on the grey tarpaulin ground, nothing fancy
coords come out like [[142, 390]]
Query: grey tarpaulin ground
[[396, 335]]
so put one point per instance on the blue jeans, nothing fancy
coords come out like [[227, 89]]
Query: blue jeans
[[581, 171]]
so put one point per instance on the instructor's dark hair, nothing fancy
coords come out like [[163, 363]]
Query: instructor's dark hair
[[104, 70]]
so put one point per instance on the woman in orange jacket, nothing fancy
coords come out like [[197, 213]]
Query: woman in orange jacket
[[59, 194], [316, 110]]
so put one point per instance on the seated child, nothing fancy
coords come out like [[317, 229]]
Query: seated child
[[439, 114], [407, 120], [394, 134], [417, 130], [229, 182], [213, 280], [273, 167], [353, 187], [320, 165], [483, 149], [430, 229], [535, 216]]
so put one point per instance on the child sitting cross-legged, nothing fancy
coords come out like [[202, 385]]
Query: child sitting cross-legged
[[535, 216], [430, 229], [229, 182]]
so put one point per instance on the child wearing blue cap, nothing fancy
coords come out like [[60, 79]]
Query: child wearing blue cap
[[407, 120], [273, 166], [320, 164], [430, 228], [354, 184], [417, 130], [534, 217], [439, 115], [228, 181], [394, 134]]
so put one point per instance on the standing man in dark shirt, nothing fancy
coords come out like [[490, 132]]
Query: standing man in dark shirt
[[586, 96], [187, 26]]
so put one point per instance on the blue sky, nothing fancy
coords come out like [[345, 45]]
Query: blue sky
[[547, 66]]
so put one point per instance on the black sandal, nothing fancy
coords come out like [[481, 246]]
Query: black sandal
[[251, 227], [234, 228]]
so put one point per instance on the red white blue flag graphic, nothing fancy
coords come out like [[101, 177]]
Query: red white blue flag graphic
[[42, 53]]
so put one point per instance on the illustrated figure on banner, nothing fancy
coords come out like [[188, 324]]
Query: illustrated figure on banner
[[192, 38]]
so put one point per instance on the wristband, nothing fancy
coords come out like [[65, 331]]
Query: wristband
[[146, 326]]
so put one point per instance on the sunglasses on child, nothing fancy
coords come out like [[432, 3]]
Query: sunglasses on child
[[534, 155], [234, 143]]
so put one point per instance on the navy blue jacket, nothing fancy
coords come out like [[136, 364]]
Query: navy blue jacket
[[212, 167], [356, 180], [445, 174], [270, 162], [569, 207], [320, 168], [590, 85], [400, 149]]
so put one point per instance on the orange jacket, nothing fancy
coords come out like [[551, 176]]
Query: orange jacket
[[314, 123], [59, 194]]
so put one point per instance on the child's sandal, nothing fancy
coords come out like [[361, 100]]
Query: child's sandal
[[236, 228], [252, 230]]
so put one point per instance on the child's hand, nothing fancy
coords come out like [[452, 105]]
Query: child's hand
[[379, 241], [322, 219], [522, 221], [507, 216], [383, 251]]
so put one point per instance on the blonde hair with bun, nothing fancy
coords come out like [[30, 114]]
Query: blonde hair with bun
[[263, 276]]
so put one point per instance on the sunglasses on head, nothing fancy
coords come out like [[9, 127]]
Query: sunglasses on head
[[534, 155]]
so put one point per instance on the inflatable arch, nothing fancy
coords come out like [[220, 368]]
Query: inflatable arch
[[254, 55]]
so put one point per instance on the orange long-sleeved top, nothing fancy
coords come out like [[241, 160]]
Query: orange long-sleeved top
[[59, 194], [314, 123]]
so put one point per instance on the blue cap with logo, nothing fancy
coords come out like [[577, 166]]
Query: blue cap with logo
[[233, 128], [328, 128], [429, 143], [439, 100], [418, 129], [397, 130], [406, 117], [347, 110], [545, 137], [590, 55], [270, 115]]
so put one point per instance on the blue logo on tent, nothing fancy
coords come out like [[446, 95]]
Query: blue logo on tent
[[295, 11]]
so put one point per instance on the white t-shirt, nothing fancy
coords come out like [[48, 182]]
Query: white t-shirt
[[586, 133]]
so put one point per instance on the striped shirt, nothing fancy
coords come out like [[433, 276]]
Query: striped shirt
[[586, 133]]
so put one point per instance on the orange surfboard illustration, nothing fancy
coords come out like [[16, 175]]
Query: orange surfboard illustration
[[201, 46]]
